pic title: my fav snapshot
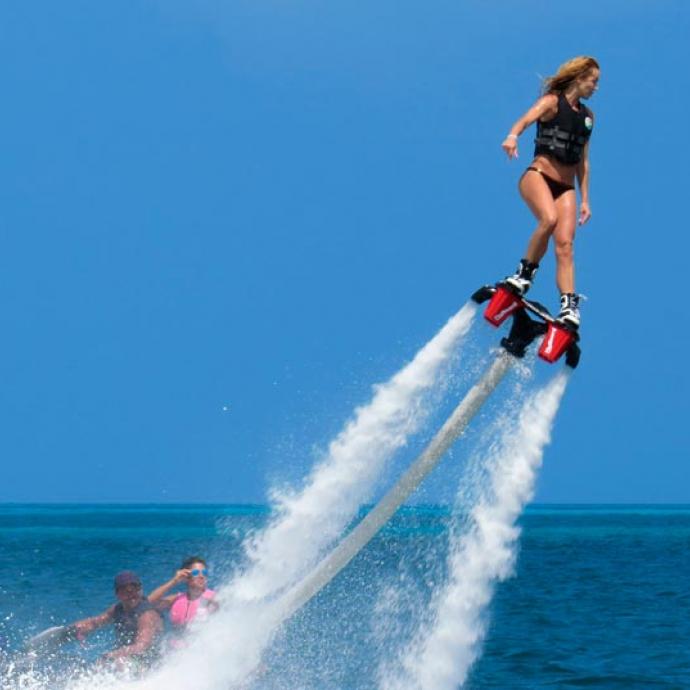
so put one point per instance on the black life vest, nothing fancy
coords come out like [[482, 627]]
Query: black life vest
[[126, 623], [564, 137]]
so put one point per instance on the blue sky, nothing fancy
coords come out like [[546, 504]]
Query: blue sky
[[270, 206]]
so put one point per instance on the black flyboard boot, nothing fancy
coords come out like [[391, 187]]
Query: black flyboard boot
[[521, 280], [570, 310]]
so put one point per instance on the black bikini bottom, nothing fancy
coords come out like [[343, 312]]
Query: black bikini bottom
[[557, 188]]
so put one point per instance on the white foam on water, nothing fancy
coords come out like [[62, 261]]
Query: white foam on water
[[482, 553]]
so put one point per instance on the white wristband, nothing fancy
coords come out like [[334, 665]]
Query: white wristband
[[512, 136]]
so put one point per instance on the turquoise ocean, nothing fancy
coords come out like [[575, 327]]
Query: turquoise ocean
[[598, 596]]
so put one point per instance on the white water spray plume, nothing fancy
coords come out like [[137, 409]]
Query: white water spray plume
[[307, 522], [480, 555]]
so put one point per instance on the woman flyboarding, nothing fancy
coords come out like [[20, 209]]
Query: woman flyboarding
[[564, 126]]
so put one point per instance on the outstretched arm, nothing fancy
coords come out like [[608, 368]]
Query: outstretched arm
[[546, 106], [86, 626]]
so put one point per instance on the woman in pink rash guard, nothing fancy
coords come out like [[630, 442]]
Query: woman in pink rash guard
[[193, 604]]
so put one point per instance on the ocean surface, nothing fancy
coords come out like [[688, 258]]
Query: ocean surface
[[599, 596]]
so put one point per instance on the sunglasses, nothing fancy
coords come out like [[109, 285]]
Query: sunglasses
[[196, 572]]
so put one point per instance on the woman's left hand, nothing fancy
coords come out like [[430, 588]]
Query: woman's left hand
[[585, 213]]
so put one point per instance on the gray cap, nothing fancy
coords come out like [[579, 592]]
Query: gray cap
[[126, 577]]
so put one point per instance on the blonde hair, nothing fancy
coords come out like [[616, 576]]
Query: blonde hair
[[568, 72]]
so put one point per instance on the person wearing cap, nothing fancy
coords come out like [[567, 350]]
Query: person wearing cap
[[136, 623]]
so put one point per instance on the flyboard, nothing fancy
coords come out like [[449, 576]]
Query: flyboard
[[558, 339]]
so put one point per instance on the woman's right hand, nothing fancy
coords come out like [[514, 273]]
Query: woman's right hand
[[510, 146], [181, 575]]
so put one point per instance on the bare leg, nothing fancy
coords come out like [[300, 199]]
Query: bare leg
[[538, 197], [563, 236]]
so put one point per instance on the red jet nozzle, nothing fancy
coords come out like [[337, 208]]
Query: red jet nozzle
[[557, 340]]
